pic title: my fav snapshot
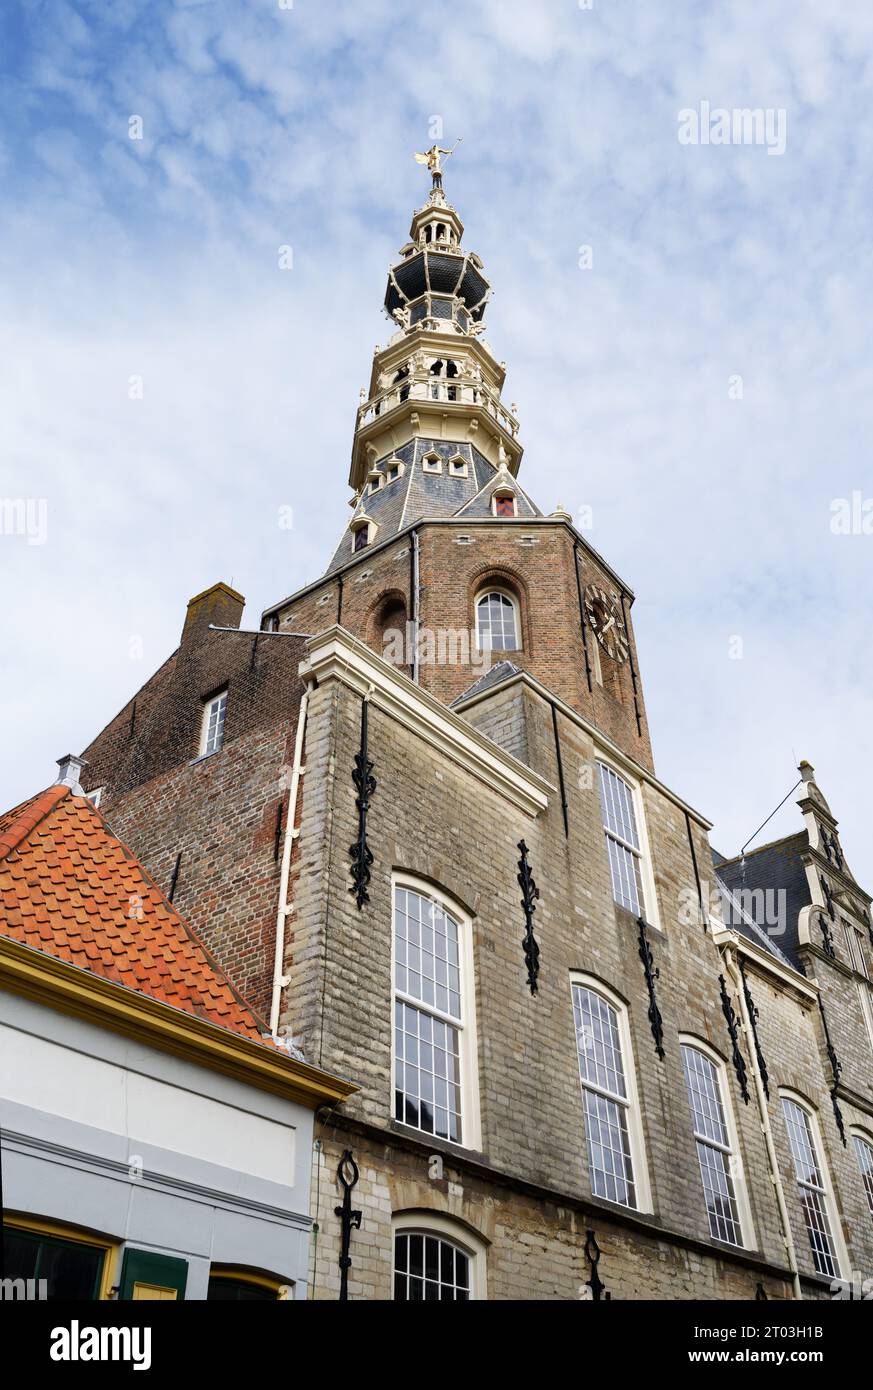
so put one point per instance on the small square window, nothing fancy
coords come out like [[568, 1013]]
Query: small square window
[[458, 468], [432, 463]]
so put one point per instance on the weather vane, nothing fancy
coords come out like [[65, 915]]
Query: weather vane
[[432, 159]]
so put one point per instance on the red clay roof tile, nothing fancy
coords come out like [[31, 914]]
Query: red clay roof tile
[[66, 885]]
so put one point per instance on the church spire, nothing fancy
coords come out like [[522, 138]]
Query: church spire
[[437, 378]]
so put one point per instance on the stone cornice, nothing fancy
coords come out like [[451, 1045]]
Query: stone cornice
[[336, 655], [761, 957]]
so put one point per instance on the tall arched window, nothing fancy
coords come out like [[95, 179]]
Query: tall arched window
[[497, 624], [616, 1164], [864, 1155], [716, 1142], [436, 1259], [435, 1075], [813, 1187], [622, 826]]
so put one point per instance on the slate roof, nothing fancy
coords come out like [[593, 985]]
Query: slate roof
[[500, 671], [765, 875], [71, 889], [417, 494]]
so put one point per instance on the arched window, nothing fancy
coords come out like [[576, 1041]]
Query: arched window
[[813, 1186], [435, 1080], [616, 1163], [716, 1142], [436, 1259], [389, 636], [232, 1285], [864, 1155], [497, 622]]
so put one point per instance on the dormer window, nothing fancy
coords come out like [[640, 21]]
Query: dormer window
[[393, 469], [432, 463], [363, 531], [458, 466], [375, 482], [212, 724], [504, 504]]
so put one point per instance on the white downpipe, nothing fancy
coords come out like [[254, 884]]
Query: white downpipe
[[291, 833], [766, 1128]]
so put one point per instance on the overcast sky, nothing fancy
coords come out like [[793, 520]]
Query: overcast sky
[[705, 386]]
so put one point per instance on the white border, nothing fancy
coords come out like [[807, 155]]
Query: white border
[[843, 1262], [649, 905], [736, 1157], [634, 1113], [434, 1223], [471, 1119]]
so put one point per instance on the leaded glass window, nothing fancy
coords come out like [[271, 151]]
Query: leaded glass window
[[497, 623], [703, 1084], [622, 839], [811, 1186], [605, 1097], [428, 1017], [428, 1268]]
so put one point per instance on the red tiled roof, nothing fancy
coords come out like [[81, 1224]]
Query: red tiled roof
[[70, 888]]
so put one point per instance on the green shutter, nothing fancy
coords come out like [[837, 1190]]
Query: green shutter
[[145, 1268]]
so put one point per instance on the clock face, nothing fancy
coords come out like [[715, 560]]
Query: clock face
[[604, 615]]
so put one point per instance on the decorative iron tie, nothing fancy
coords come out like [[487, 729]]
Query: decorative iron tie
[[836, 1072], [727, 1009], [595, 1283], [652, 973], [529, 895], [349, 1220], [365, 786]]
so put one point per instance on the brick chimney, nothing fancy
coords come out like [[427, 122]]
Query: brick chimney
[[220, 605], [69, 772]]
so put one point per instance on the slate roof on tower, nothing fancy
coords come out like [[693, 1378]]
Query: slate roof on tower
[[419, 494]]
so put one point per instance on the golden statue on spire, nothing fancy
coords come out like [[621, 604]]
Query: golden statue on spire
[[431, 158]]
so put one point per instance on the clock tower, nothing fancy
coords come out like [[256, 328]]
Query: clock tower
[[448, 566]]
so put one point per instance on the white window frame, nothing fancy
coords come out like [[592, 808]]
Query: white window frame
[[631, 1102], [649, 905], [826, 1191], [219, 696], [94, 796], [481, 596], [361, 524], [432, 1223], [432, 462], [504, 494], [471, 1120], [863, 1136], [733, 1153], [458, 467]]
